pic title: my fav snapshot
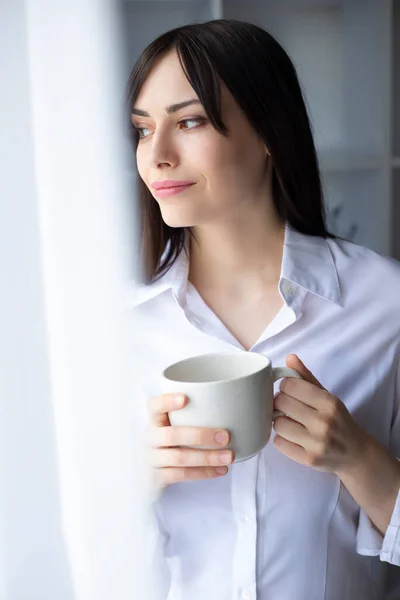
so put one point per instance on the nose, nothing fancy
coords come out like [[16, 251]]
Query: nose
[[163, 151]]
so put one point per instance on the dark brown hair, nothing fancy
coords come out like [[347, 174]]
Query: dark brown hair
[[263, 81]]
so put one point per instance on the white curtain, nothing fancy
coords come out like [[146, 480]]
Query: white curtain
[[72, 482]]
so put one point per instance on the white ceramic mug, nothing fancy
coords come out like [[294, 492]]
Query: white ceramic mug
[[227, 390]]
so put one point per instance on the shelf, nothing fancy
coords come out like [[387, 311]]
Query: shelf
[[345, 161]]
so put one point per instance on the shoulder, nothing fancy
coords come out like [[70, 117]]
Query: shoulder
[[352, 258], [148, 301], [139, 294], [145, 295], [363, 272]]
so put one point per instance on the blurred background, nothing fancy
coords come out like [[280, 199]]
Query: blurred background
[[71, 514]]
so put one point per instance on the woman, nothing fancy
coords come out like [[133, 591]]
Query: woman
[[237, 256]]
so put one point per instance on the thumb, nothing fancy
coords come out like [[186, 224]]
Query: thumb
[[294, 362]]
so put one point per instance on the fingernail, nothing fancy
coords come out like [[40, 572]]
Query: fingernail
[[221, 470], [222, 438], [225, 458], [179, 400]]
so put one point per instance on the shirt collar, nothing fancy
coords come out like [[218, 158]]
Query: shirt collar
[[174, 279], [307, 262]]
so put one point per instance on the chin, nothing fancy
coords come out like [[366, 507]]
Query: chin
[[178, 218], [178, 223]]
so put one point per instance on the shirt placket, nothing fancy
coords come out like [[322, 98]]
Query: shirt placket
[[244, 481]]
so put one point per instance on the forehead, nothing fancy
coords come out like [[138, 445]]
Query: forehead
[[165, 84]]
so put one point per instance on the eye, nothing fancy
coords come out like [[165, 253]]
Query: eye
[[141, 131], [192, 122]]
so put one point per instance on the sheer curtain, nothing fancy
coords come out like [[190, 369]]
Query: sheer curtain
[[72, 486]]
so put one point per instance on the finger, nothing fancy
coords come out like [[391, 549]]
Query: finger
[[295, 409], [293, 451], [188, 436], [292, 431], [169, 475], [160, 406], [306, 392], [188, 457], [294, 362]]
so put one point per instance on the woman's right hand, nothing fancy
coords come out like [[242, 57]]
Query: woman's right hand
[[171, 462]]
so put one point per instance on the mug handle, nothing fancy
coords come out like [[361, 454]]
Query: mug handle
[[280, 373]]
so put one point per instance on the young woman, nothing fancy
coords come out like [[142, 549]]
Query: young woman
[[237, 256]]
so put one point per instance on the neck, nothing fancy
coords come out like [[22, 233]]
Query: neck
[[246, 253]]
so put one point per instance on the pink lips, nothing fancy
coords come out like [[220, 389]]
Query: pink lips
[[170, 187]]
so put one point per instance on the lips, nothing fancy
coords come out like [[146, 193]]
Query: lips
[[170, 183], [171, 187]]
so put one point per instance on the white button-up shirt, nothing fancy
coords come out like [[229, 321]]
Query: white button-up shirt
[[272, 529]]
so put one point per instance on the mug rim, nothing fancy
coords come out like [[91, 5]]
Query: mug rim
[[268, 363]]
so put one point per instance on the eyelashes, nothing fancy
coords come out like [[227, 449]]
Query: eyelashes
[[185, 125], [197, 120]]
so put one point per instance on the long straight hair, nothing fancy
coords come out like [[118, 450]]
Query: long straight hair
[[263, 81]]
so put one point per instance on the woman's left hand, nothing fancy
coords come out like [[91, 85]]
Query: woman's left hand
[[318, 430]]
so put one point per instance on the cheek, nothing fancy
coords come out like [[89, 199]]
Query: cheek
[[246, 164], [141, 163], [213, 159], [227, 166]]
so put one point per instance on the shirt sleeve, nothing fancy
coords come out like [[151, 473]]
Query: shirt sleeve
[[370, 542]]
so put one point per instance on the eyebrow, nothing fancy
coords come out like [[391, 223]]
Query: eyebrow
[[168, 109]]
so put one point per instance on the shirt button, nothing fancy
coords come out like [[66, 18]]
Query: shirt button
[[289, 289], [246, 594], [248, 520]]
